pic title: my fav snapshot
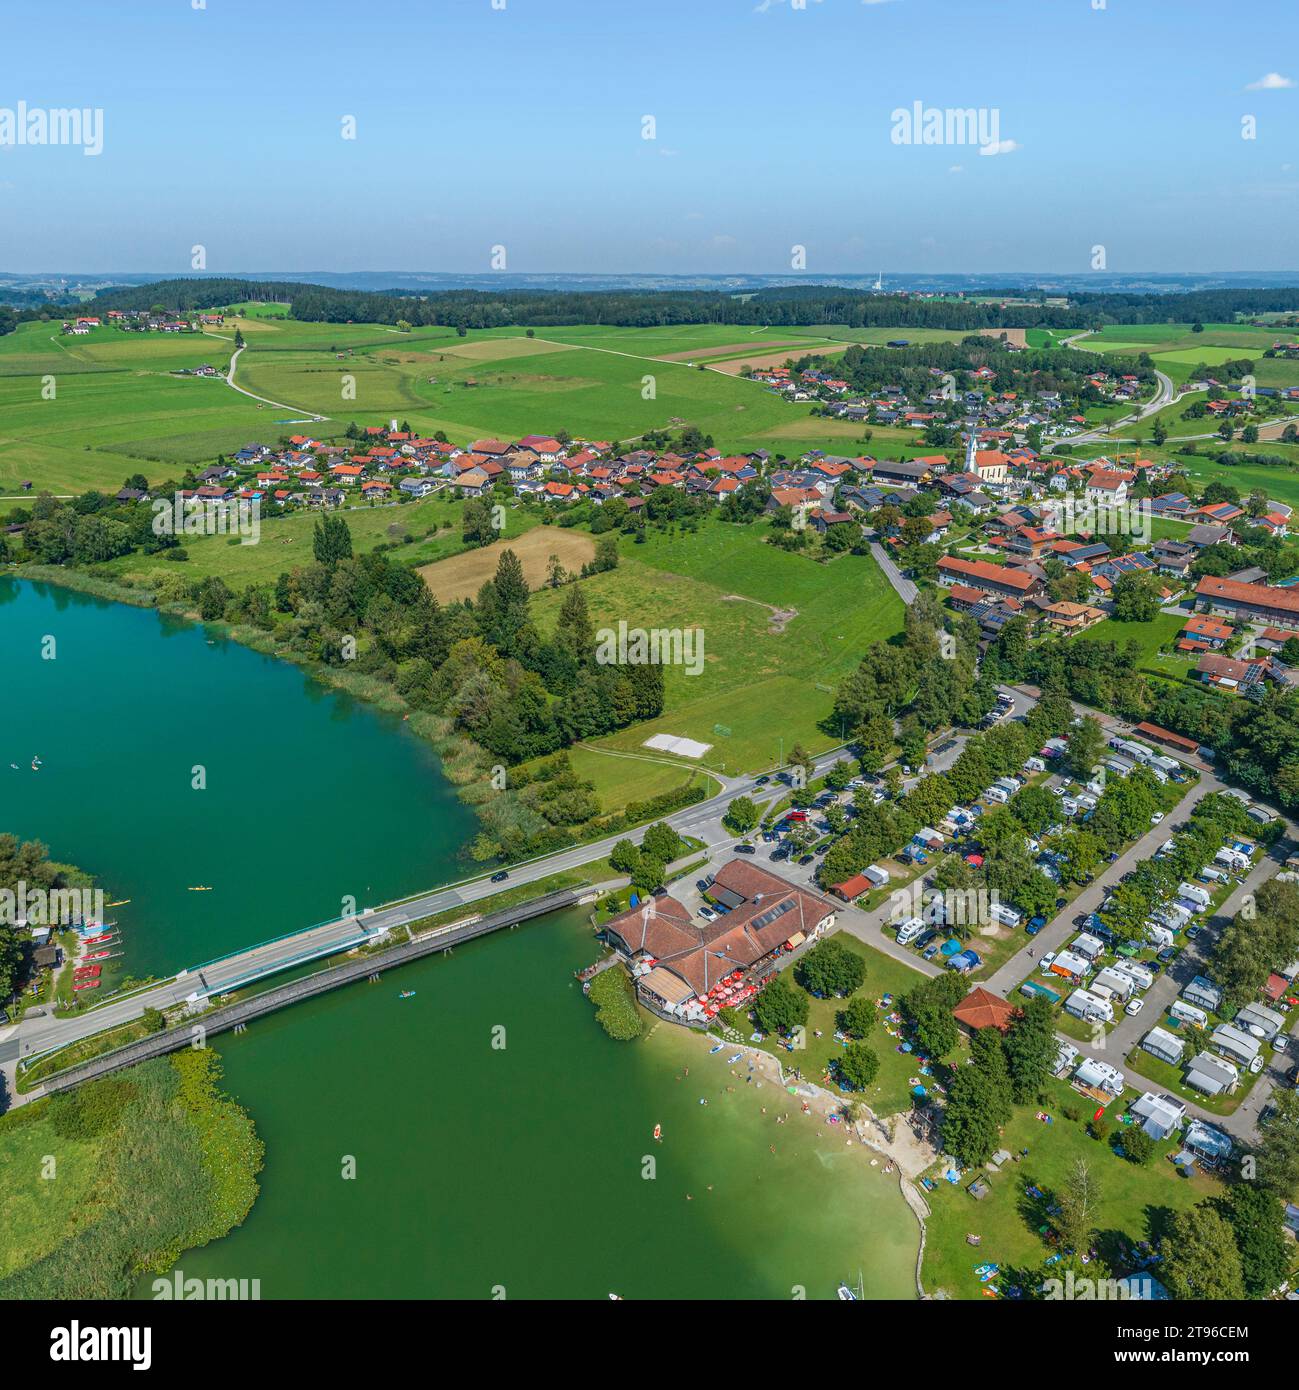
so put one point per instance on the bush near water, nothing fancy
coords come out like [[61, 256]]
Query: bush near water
[[615, 1004]]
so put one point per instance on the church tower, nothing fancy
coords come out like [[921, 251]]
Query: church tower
[[971, 449]]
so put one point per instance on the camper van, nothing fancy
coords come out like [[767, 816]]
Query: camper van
[[997, 794], [1091, 1008], [1120, 986], [1231, 858], [909, 930], [1188, 1013], [1194, 893], [1135, 971], [1010, 916]]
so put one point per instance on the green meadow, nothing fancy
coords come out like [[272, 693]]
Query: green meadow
[[1134, 1203], [1150, 637], [763, 680], [419, 533]]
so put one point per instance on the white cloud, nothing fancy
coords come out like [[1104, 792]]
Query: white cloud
[[1270, 82], [1000, 147], [957, 169]]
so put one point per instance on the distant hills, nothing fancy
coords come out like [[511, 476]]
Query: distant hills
[[73, 286]]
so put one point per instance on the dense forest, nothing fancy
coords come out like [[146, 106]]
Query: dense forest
[[785, 306]]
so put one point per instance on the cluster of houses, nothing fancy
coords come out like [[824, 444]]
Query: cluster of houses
[[1047, 411], [143, 321]]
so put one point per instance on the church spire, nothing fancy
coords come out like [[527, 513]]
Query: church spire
[[971, 448]]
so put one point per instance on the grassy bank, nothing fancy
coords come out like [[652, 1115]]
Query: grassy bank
[[151, 1162]]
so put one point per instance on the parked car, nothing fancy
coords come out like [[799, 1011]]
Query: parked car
[[1167, 954], [1134, 1006], [1193, 932], [807, 859], [930, 951], [1156, 818], [745, 849]]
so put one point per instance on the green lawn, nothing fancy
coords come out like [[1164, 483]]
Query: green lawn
[[1150, 637], [757, 684], [1135, 1202], [41, 1206], [890, 1092], [433, 523]]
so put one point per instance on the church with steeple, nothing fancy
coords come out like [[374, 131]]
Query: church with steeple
[[988, 467]]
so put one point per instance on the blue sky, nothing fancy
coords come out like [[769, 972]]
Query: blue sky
[[522, 127]]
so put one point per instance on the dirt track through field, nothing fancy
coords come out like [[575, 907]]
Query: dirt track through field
[[703, 354]]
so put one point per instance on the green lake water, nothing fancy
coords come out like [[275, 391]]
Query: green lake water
[[310, 795], [527, 1169]]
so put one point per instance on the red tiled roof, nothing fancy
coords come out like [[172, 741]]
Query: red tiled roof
[[983, 1009], [1259, 595]]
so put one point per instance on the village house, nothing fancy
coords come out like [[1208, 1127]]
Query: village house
[[1223, 673], [992, 579], [1265, 603]]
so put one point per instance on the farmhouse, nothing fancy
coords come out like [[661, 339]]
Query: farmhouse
[[916, 473], [1256, 602], [992, 579]]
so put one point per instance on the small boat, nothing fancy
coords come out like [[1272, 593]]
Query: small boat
[[658, 1132], [718, 1048], [121, 902], [201, 889], [406, 994], [36, 764], [99, 955], [87, 984], [846, 1295], [617, 1297]]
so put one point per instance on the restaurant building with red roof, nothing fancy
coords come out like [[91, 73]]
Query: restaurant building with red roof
[[687, 971]]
